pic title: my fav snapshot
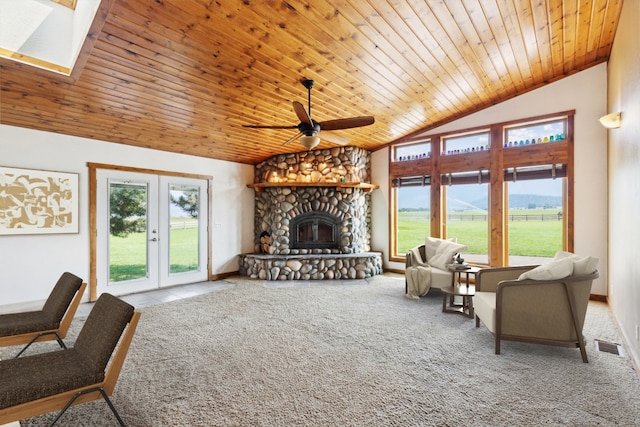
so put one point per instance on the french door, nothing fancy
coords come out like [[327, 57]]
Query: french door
[[151, 231]]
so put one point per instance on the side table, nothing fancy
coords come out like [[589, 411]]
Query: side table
[[458, 289]]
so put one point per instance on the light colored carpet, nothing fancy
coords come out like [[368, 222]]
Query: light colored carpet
[[355, 353]]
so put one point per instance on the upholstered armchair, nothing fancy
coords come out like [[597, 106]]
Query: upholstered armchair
[[46, 382], [527, 304], [49, 323], [426, 265]]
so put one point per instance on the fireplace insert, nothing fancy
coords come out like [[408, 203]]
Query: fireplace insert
[[315, 230]]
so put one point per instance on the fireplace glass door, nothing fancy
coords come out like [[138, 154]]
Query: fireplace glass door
[[315, 230]]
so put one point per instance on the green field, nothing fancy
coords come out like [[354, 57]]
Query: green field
[[526, 238], [128, 254]]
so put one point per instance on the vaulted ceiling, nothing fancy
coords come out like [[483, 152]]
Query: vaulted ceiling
[[185, 75]]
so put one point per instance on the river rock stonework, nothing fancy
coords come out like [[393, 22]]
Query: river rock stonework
[[275, 207], [311, 267]]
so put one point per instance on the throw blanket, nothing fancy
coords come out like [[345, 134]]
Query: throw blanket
[[418, 276]]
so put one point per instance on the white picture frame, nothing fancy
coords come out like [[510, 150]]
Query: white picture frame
[[38, 201]]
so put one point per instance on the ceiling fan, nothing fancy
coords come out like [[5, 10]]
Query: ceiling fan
[[308, 128]]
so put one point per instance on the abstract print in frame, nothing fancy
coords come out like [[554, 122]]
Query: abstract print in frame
[[38, 202]]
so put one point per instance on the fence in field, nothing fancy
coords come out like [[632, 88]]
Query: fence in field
[[178, 225], [518, 217]]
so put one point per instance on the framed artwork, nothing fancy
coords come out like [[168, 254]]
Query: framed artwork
[[38, 202]]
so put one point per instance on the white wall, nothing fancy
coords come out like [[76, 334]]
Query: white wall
[[30, 264], [624, 177], [584, 92]]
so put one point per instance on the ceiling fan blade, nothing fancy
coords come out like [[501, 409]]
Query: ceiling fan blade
[[352, 122], [302, 114], [269, 127], [293, 138], [335, 139]]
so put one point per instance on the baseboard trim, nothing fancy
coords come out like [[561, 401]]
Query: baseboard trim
[[221, 276]]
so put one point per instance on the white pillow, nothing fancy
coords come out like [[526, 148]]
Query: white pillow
[[431, 245], [557, 269], [581, 265], [444, 254]]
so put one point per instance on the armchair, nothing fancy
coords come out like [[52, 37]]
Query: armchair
[[548, 311], [52, 322], [34, 385], [432, 258]]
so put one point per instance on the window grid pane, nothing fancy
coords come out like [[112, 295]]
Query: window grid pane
[[413, 217]]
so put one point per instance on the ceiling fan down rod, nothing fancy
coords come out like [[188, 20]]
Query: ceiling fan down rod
[[309, 85]]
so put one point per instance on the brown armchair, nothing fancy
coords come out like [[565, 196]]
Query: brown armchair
[[34, 385], [548, 312], [52, 322]]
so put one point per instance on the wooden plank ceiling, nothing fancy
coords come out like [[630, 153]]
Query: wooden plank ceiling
[[185, 75]]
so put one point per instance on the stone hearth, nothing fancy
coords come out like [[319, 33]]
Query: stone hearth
[[329, 185], [311, 267]]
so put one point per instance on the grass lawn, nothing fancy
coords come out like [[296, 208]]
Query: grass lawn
[[128, 255], [526, 238]]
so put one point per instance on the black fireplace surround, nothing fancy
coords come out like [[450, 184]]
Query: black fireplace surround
[[315, 230]]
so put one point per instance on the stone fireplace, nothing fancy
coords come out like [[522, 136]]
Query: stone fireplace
[[315, 205]]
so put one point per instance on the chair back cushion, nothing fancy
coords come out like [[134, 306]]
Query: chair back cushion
[[102, 330], [60, 297]]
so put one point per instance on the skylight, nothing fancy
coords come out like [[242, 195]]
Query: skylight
[[45, 33]]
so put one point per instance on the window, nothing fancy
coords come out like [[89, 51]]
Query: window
[[413, 216], [420, 150], [534, 220], [536, 133], [463, 144], [467, 219], [503, 190]]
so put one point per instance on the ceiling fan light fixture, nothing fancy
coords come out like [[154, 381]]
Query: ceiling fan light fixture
[[309, 142]]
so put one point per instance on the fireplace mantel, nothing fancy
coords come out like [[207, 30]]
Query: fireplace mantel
[[366, 187]]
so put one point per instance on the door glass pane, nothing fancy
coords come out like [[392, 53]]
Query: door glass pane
[[413, 217], [183, 228], [468, 219], [534, 220], [127, 231]]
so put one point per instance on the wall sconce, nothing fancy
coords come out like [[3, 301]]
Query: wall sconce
[[611, 121]]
